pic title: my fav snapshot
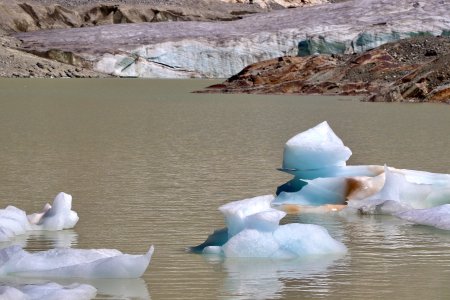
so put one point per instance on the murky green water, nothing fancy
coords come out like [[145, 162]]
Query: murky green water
[[147, 162]]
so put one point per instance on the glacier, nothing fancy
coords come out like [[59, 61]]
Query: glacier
[[68, 262], [59, 216], [253, 230]]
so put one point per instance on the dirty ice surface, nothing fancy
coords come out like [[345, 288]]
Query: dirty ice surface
[[328, 184]]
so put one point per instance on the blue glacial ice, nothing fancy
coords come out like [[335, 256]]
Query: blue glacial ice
[[48, 291], [67, 262], [329, 184], [254, 231], [59, 216], [317, 158]]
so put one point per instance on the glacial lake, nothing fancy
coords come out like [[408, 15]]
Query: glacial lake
[[148, 162]]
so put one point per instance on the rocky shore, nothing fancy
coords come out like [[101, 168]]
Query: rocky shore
[[281, 46], [410, 70]]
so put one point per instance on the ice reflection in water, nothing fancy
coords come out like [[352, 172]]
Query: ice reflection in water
[[42, 239], [266, 279]]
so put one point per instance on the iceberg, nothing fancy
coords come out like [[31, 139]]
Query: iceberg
[[59, 216], [323, 182], [48, 291], [317, 147], [254, 231], [67, 262]]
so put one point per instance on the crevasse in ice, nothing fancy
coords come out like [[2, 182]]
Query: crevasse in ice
[[67, 262], [14, 221], [254, 231]]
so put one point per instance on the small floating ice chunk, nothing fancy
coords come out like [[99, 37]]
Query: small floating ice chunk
[[438, 216], [57, 216], [315, 148], [48, 291], [67, 262], [14, 221], [255, 232]]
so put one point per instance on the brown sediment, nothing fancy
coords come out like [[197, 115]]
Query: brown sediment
[[409, 70], [293, 209]]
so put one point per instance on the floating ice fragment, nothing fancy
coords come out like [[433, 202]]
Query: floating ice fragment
[[438, 216], [14, 221], [317, 147], [47, 291], [58, 216], [67, 262], [322, 182], [254, 231]]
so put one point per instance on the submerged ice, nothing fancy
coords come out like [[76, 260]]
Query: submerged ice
[[59, 216]]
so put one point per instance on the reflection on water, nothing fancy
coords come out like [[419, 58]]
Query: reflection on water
[[43, 240], [267, 279], [116, 288]]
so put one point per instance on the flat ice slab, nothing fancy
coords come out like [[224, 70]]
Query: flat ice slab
[[67, 262]]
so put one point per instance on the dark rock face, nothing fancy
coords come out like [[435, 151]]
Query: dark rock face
[[411, 70]]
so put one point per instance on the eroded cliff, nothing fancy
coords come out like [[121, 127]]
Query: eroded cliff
[[411, 70]]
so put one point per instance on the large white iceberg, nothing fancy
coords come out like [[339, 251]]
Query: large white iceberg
[[67, 262], [59, 216], [254, 231], [47, 291]]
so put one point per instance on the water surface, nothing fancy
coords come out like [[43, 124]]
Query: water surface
[[148, 162]]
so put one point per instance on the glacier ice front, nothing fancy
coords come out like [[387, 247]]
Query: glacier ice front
[[253, 230], [67, 262], [59, 216]]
